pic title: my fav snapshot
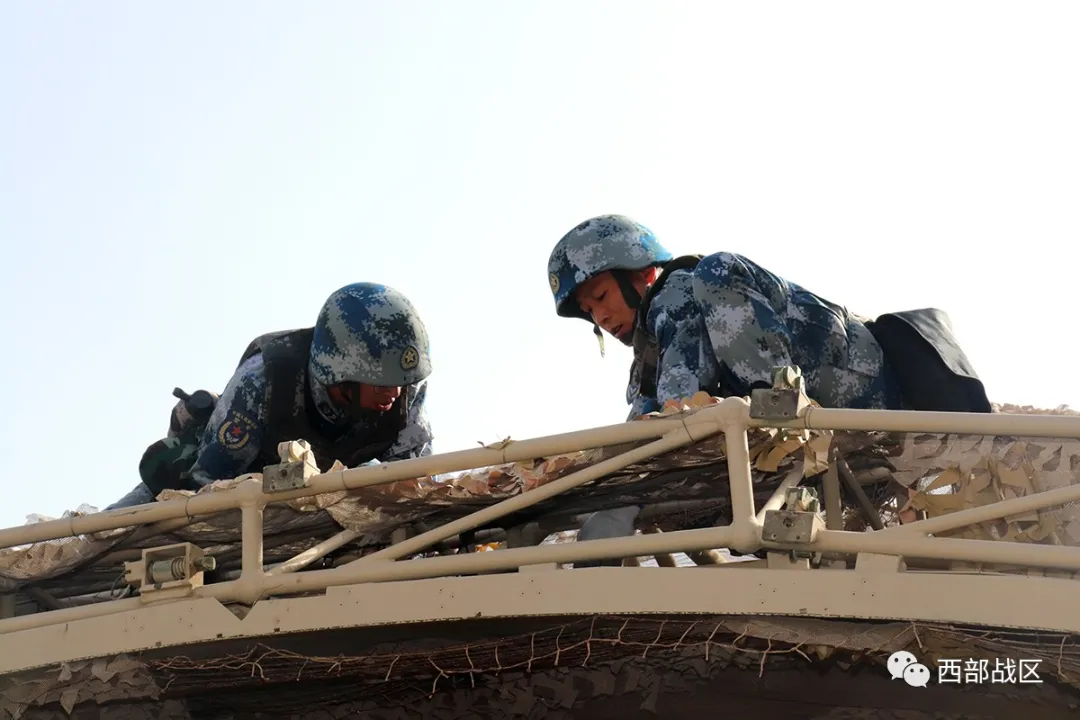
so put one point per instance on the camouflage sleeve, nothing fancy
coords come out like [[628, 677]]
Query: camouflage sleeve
[[742, 306], [237, 427], [415, 440], [676, 325], [641, 405]]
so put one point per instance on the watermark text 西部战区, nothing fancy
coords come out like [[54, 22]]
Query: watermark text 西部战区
[[904, 666], [978, 671]]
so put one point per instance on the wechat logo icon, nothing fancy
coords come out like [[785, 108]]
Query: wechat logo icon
[[904, 666]]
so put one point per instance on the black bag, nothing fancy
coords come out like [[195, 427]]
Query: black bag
[[933, 372]]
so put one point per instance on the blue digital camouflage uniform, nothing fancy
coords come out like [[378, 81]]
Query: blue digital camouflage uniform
[[242, 407], [685, 362], [722, 327], [365, 333]]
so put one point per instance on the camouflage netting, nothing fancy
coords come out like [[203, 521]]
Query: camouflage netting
[[929, 474], [562, 669], [979, 470]]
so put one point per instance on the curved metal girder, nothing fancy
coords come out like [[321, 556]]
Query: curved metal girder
[[993, 601]]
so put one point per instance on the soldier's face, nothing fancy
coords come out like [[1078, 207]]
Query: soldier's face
[[364, 397], [380, 399], [602, 299]]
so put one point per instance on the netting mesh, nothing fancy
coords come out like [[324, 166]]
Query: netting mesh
[[549, 669], [600, 639]]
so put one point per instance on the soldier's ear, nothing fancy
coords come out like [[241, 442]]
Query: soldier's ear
[[642, 279]]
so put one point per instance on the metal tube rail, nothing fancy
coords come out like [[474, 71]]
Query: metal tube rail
[[640, 545], [994, 552], [776, 500], [547, 525], [251, 536], [994, 511], [673, 440], [731, 416], [735, 422], [472, 563], [413, 569], [814, 418], [315, 552], [1000, 424], [514, 451], [1046, 556], [853, 485]]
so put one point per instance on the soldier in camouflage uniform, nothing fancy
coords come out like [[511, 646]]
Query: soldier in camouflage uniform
[[719, 323], [354, 386], [721, 326]]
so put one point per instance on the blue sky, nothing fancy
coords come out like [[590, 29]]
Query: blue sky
[[176, 180]]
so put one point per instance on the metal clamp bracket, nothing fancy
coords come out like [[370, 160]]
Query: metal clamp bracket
[[296, 468], [798, 523], [786, 400]]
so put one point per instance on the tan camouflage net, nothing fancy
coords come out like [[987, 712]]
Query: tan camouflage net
[[946, 473], [550, 672], [97, 681]]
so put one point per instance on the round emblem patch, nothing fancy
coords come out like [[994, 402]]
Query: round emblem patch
[[410, 358], [553, 280], [235, 432]]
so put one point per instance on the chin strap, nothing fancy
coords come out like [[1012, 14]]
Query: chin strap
[[630, 294], [599, 338]]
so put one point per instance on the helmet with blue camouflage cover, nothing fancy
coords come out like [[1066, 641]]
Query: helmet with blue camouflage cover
[[371, 334], [600, 244]]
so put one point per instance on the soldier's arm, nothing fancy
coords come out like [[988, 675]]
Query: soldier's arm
[[743, 313], [676, 325], [680, 360], [415, 440], [236, 430], [640, 405]]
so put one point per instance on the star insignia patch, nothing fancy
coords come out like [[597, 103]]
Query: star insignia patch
[[410, 358]]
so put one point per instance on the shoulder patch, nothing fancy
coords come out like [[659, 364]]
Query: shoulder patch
[[236, 431], [410, 358], [553, 280]]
